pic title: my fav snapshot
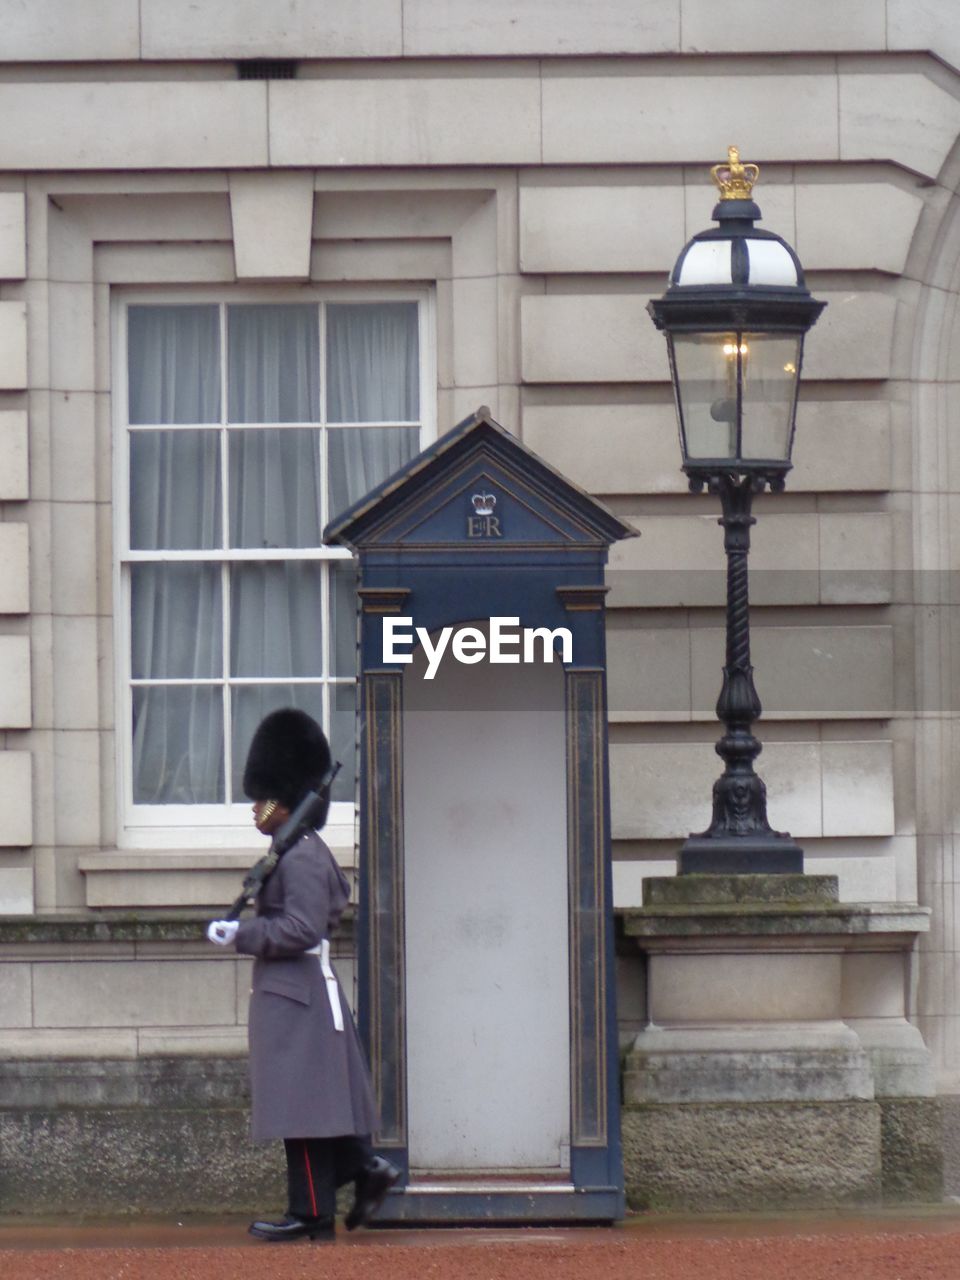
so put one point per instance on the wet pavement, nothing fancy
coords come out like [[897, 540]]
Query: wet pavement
[[884, 1245]]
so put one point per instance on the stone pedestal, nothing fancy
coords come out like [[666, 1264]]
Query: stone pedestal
[[777, 1063]]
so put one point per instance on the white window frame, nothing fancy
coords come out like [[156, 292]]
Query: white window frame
[[222, 826]]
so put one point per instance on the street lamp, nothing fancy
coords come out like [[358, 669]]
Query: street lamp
[[735, 314]]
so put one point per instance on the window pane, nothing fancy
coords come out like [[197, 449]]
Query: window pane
[[178, 745], [707, 375], [359, 458], [276, 619], [250, 703], [342, 734], [274, 488], [769, 384], [343, 618], [373, 362], [273, 363], [175, 490], [176, 621], [173, 356]]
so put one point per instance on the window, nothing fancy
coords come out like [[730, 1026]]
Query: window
[[246, 426]]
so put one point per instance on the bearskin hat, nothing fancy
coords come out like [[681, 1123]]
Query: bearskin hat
[[288, 757]]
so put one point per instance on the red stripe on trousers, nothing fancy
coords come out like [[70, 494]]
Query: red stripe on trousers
[[313, 1194]]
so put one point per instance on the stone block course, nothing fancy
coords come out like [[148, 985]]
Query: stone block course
[[752, 26], [840, 672], [74, 557], [132, 994], [874, 125], [51, 31], [701, 989], [648, 673], [16, 801], [930, 25], [76, 672], [634, 448], [14, 569], [76, 777], [662, 790], [856, 558], [866, 226], [865, 462], [795, 558], [101, 125], [590, 338], [71, 337], [13, 346], [14, 995], [448, 118], [591, 113], [634, 228], [853, 339], [249, 29], [73, 443], [453, 28], [15, 708], [599, 228], [13, 235], [858, 788], [17, 896], [15, 474]]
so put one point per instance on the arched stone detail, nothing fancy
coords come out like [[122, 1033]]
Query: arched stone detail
[[934, 418]]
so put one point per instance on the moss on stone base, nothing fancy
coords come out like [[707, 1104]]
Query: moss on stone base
[[698, 1157], [911, 1135], [101, 1160]]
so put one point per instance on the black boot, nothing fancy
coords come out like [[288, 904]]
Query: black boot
[[293, 1228], [372, 1187]]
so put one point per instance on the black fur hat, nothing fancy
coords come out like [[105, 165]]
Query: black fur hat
[[288, 756]]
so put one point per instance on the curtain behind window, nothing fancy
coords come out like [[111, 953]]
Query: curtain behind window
[[278, 481], [174, 377]]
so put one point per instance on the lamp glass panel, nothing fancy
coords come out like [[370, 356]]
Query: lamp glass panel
[[706, 386], [770, 372]]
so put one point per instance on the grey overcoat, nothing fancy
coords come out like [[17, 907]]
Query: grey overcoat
[[307, 1080]]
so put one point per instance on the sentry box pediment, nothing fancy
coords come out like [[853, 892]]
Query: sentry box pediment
[[485, 929], [478, 488]]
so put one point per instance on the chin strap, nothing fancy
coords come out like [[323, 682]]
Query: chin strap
[[309, 815]]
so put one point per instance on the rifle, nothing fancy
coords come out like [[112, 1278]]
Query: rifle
[[309, 814]]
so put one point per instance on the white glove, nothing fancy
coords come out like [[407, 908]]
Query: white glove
[[222, 932]]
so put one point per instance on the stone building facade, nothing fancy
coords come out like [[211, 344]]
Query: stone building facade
[[512, 181]]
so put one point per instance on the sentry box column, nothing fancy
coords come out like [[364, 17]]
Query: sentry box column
[[486, 915]]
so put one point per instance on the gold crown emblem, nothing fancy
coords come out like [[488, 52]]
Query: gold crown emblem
[[483, 503], [735, 180]]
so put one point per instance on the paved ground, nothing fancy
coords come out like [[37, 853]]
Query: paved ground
[[922, 1245]]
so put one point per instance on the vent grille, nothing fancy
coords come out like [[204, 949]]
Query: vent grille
[[267, 69]]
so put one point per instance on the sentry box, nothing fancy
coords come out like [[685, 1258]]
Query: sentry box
[[485, 936]]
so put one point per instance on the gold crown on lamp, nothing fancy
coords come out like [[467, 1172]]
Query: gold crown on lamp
[[483, 503], [735, 180]]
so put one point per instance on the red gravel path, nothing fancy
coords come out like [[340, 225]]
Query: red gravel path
[[925, 1247]]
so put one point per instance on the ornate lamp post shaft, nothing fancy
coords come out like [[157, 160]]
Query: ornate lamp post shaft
[[739, 837], [738, 704]]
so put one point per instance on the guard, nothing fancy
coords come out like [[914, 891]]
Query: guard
[[309, 1080]]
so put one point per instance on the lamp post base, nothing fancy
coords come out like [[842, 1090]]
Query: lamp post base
[[735, 855]]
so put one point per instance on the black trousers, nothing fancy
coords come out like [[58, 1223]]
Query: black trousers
[[317, 1166]]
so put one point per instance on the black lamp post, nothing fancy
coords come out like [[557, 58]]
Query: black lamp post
[[735, 315]]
